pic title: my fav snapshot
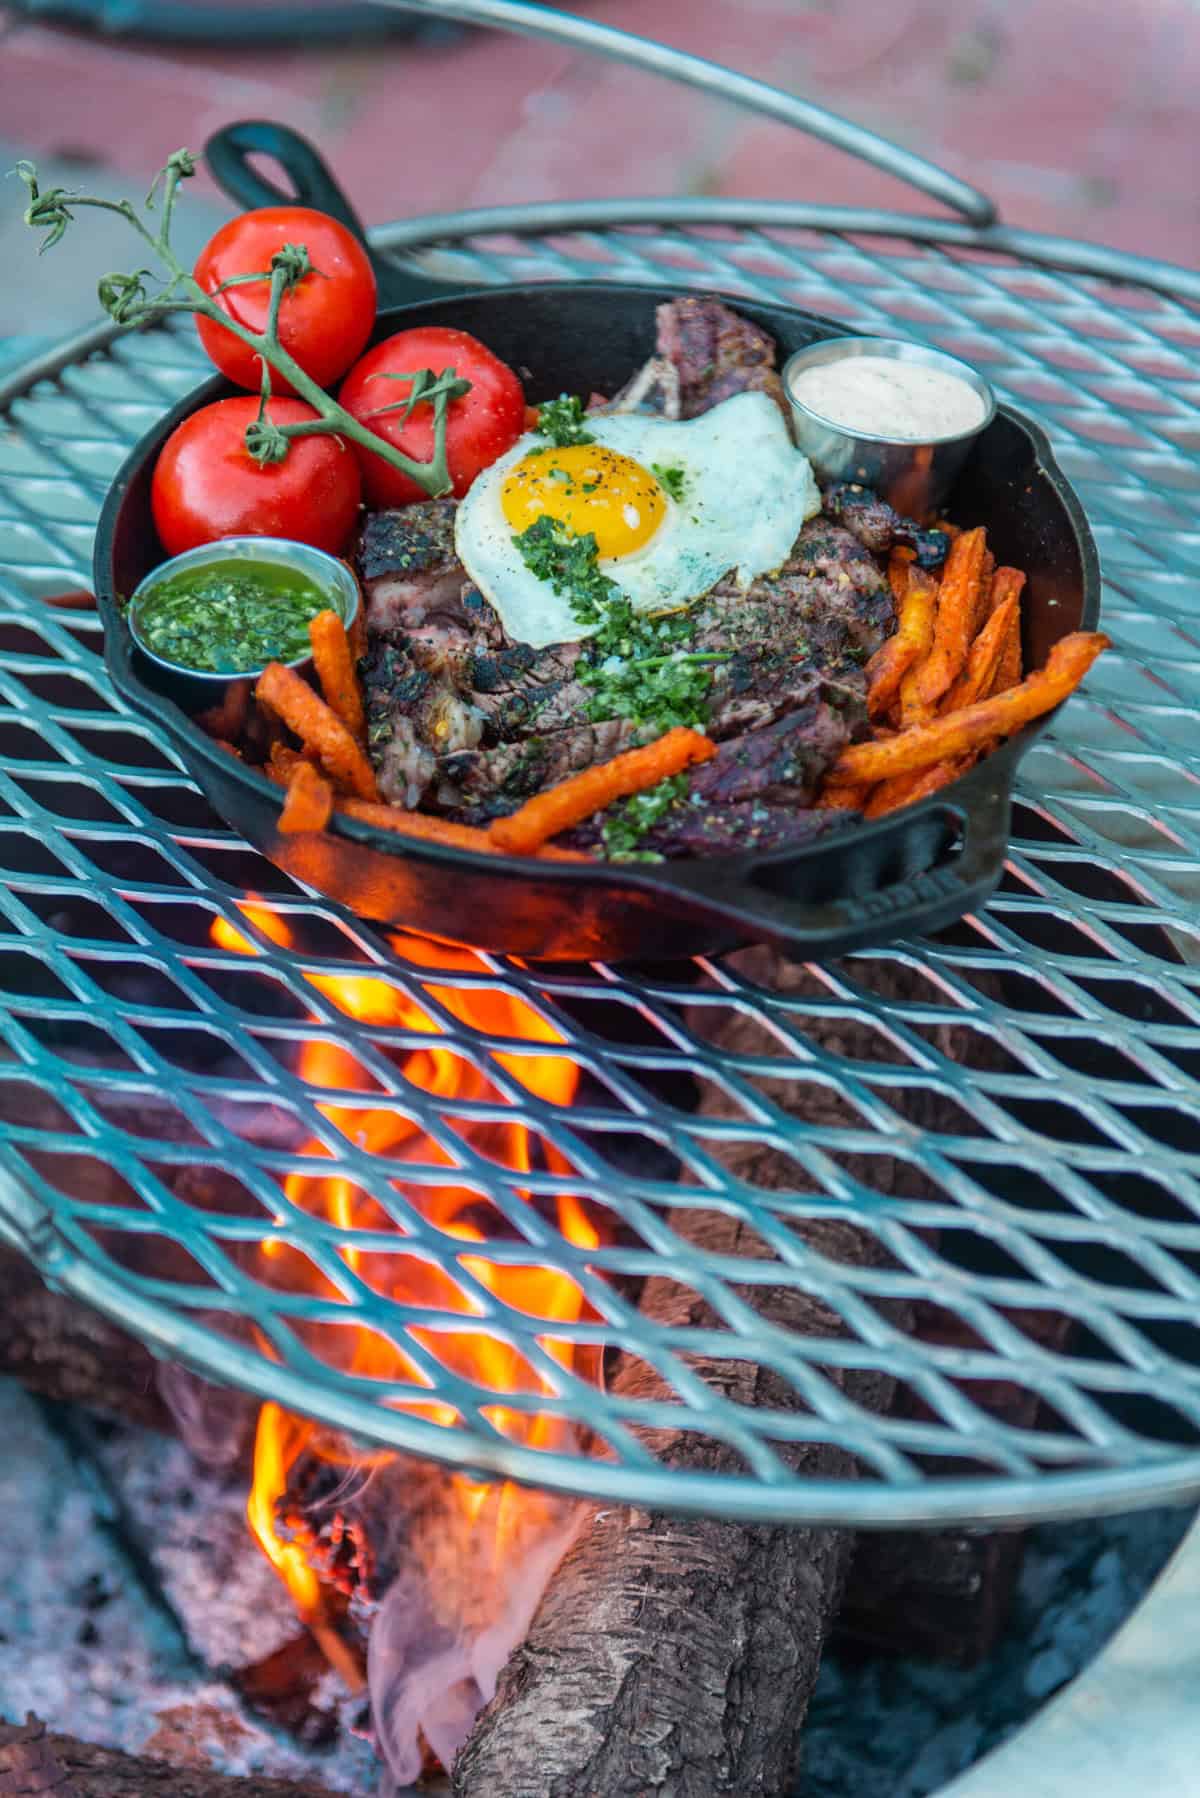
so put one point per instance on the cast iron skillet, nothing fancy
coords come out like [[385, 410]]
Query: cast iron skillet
[[909, 873]]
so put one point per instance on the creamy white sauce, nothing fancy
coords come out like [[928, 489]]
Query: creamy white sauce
[[886, 398]]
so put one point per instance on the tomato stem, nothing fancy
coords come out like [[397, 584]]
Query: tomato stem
[[127, 301]]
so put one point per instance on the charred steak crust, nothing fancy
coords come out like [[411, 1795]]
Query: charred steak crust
[[410, 574], [878, 528], [408, 540]]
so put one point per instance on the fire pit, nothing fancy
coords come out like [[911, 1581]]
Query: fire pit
[[911, 1238]]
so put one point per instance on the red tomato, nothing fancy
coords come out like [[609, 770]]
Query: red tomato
[[324, 320], [207, 485], [479, 427]]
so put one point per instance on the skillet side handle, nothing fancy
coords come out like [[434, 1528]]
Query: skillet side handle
[[910, 906], [314, 184], [228, 151]]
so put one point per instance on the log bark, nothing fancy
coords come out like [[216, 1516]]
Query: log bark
[[63, 1350], [36, 1764]]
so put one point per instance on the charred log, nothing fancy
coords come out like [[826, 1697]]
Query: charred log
[[63, 1350], [34, 1764], [946, 1594]]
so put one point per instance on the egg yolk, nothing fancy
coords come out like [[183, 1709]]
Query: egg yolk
[[586, 488]]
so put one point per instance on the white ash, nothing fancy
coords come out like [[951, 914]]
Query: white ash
[[191, 1522], [84, 1645]]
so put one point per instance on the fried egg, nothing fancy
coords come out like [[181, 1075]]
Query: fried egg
[[673, 505]]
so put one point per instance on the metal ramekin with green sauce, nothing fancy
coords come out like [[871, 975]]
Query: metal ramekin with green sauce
[[217, 615]]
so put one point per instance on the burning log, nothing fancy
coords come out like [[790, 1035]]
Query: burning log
[[34, 1764]]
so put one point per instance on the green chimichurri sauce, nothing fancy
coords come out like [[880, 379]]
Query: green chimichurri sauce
[[230, 617]]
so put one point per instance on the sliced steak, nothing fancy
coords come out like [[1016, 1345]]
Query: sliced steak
[[715, 354], [413, 717], [749, 828], [830, 600], [877, 527], [521, 691], [489, 783], [779, 764], [406, 562]]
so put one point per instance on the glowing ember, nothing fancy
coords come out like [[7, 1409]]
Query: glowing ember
[[480, 1528]]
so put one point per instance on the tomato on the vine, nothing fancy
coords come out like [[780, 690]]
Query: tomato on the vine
[[207, 485], [479, 427], [324, 320]]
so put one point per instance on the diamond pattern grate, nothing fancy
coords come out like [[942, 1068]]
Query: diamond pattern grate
[[1011, 1110]]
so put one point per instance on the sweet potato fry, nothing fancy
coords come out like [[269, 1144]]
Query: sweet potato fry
[[909, 709], [282, 763], [228, 719], [318, 728], [906, 789], [888, 666], [898, 565], [580, 795], [834, 797], [309, 801], [1008, 583], [441, 830], [335, 671], [983, 598], [957, 598], [978, 678], [958, 733]]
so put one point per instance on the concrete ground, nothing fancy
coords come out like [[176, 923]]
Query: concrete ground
[[1079, 116]]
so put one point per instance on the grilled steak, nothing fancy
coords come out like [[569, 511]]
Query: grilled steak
[[779, 764], [749, 828], [413, 716], [488, 783], [521, 691], [715, 354], [877, 527], [830, 603], [705, 354], [407, 565]]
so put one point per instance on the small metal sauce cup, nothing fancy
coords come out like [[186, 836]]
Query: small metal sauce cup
[[913, 477], [194, 690]]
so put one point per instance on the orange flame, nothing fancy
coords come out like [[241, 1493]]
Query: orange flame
[[405, 1274]]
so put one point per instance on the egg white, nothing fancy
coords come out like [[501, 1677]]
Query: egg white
[[746, 492]]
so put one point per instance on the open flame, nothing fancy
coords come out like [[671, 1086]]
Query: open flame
[[502, 1522]]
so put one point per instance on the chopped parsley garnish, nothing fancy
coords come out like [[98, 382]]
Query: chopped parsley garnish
[[568, 564], [627, 822], [673, 480], [561, 420], [636, 666]]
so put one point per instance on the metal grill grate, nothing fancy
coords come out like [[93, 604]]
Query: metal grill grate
[[1055, 1149]]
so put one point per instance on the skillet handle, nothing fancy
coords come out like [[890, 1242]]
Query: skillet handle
[[314, 184], [759, 906]]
